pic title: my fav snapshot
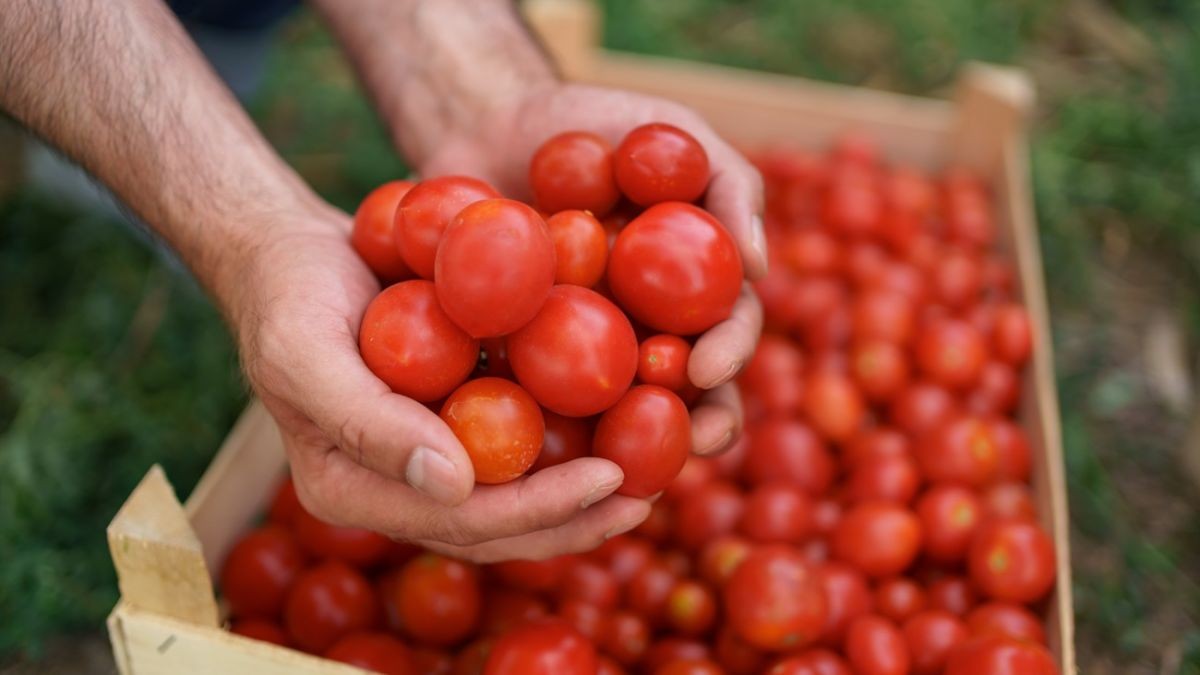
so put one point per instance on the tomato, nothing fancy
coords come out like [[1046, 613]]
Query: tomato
[[879, 538], [327, 602], [962, 451], [827, 513], [1012, 560], [426, 210], [969, 219], [354, 545], [580, 248], [660, 163], [881, 314], [662, 361], [829, 331], [921, 407], [1009, 500], [648, 434], [774, 600], [865, 262], [956, 279], [590, 582], [1012, 450], [775, 375], [499, 425], [373, 236], [263, 630], [648, 590], [505, 609], [412, 345], [931, 635], [777, 512], [565, 439], [625, 637], [997, 391], [1006, 619], [675, 269], [994, 655], [810, 250], [899, 598], [872, 444], [890, 478], [258, 571], [678, 561], [574, 170], [710, 511], [547, 647], [1012, 337], [587, 618], [493, 359], [951, 593], [285, 505], [853, 205], [578, 356], [951, 352], [949, 516], [880, 369], [788, 451], [435, 599], [998, 276], [657, 526], [815, 297], [696, 472], [377, 652], [671, 649], [625, 556], [847, 596], [470, 660], [720, 557], [903, 279], [691, 608], [778, 295], [875, 646], [533, 575], [811, 662], [690, 667], [833, 405], [737, 656]]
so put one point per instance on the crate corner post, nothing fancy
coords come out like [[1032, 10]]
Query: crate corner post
[[570, 30], [994, 104]]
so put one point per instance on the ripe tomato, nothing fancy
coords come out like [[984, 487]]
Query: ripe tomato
[[691, 608], [1012, 560], [671, 649], [662, 360], [879, 538], [951, 352], [469, 660], [829, 331], [931, 636], [833, 406], [720, 557], [881, 314], [710, 511], [696, 472], [606, 666], [811, 662], [505, 609], [969, 220], [426, 210], [648, 590], [263, 630], [285, 505], [1009, 500], [377, 652], [675, 269], [853, 205], [997, 391], [880, 369], [327, 602], [921, 407], [648, 434], [827, 513], [590, 582], [547, 647], [495, 267], [872, 444], [956, 279], [899, 598], [737, 656], [816, 297], [624, 556], [354, 545], [994, 655], [657, 526], [580, 248], [788, 451], [434, 599], [774, 600], [538, 576], [1012, 338], [412, 345], [904, 279], [962, 451], [865, 261], [951, 593], [660, 163], [259, 570], [875, 646], [777, 513], [1012, 450], [949, 516], [847, 597], [587, 618], [625, 637], [374, 236], [499, 425], [775, 376], [811, 250], [565, 439], [578, 355], [690, 667], [574, 170], [1006, 619], [893, 478]]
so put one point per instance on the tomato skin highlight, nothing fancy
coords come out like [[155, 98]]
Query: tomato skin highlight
[[426, 210], [648, 434], [500, 426], [875, 646], [547, 647], [660, 163], [374, 234], [993, 655], [574, 170]]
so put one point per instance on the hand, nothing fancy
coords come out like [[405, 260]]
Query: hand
[[497, 148], [364, 456]]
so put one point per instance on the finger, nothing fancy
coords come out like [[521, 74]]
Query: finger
[[717, 420], [721, 352], [611, 517], [735, 198]]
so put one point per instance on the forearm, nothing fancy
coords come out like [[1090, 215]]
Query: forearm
[[120, 88], [436, 66]]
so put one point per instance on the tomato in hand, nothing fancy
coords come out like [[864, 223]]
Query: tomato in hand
[[1012, 560], [377, 652], [875, 646], [1006, 619], [931, 636], [774, 600], [879, 538], [675, 269], [426, 210], [660, 163], [374, 233], [574, 170], [949, 517], [259, 570], [325, 541], [662, 360], [434, 599], [993, 655], [263, 630], [788, 451], [565, 439], [327, 602], [777, 513], [546, 647], [578, 356], [691, 608], [499, 425], [580, 248], [648, 434]]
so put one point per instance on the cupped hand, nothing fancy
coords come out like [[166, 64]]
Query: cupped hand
[[500, 143]]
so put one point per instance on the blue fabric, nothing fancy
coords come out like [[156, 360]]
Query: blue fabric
[[248, 15]]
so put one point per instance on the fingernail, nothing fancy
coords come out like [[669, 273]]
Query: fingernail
[[728, 375], [600, 491], [758, 238], [431, 473], [626, 526], [719, 445]]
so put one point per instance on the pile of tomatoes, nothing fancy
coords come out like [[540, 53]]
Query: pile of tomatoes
[[519, 321], [875, 519]]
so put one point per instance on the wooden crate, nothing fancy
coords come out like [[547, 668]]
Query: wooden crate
[[168, 620]]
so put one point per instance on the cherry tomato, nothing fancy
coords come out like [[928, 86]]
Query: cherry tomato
[[810, 250], [952, 353], [899, 598], [671, 649], [833, 406], [648, 590], [546, 647], [374, 237], [606, 666], [951, 593], [1009, 500], [879, 538], [853, 205], [574, 170], [412, 345], [865, 262], [1012, 450], [962, 451], [881, 314], [880, 369], [811, 662], [354, 545], [774, 600], [436, 600], [847, 597], [499, 425], [690, 667], [657, 526], [872, 444], [1012, 560], [949, 516], [997, 391], [777, 513], [426, 210], [648, 434], [931, 635], [921, 407], [691, 608], [969, 219], [875, 646], [587, 618], [565, 439], [327, 602], [505, 609], [737, 656], [889, 478], [470, 660], [625, 637], [1012, 338], [624, 556], [263, 630], [285, 505], [675, 269], [775, 375], [579, 354], [590, 582], [956, 279], [992, 655], [660, 163], [377, 652], [904, 279], [259, 570], [710, 511], [696, 472], [788, 451], [662, 361], [720, 557], [580, 248], [1006, 619], [538, 576]]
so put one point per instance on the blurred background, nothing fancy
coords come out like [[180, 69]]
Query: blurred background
[[111, 359]]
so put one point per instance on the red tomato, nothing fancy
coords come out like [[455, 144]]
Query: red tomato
[[436, 600], [774, 600], [969, 220], [775, 375], [997, 391], [354, 545], [1012, 337], [430, 661], [830, 331], [1012, 560], [921, 407], [777, 513], [1000, 656], [737, 656], [811, 662], [690, 667], [675, 269], [889, 478], [779, 297], [574, 170], [1012, 450], [710, 511], [625, 637], [962, 451], [660, 163], [816, 297], [587, 618], [882, 314], [499, 425], [412, 345], [998, 276], [327, 602], [696, 472], [263, 630], [879, 538], [580, 248], [625, 556], [880, 369], [505, 609], [662, 361], [931, 636], [590, 582], [1009, 500], [657, 526], [949, 516], [259, 570], [1006, 619], [951, 593], [956, 279], [691, 608], [810, 250], [720, 557], [547, 647], [872, 444], [565, 439], [671, 649], [374, 236], [470, 660], [426, 210], [853, 205], [788, 451], [495, 267], [648, 590], [952, 353], [285, 505], [533, 575], [578, 355], [827, 513], [833, 406], [875, 646], [903, 279], [847, 597], [377, 652], [899, 598], [606, 666], [865, 262], [648, 434]]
